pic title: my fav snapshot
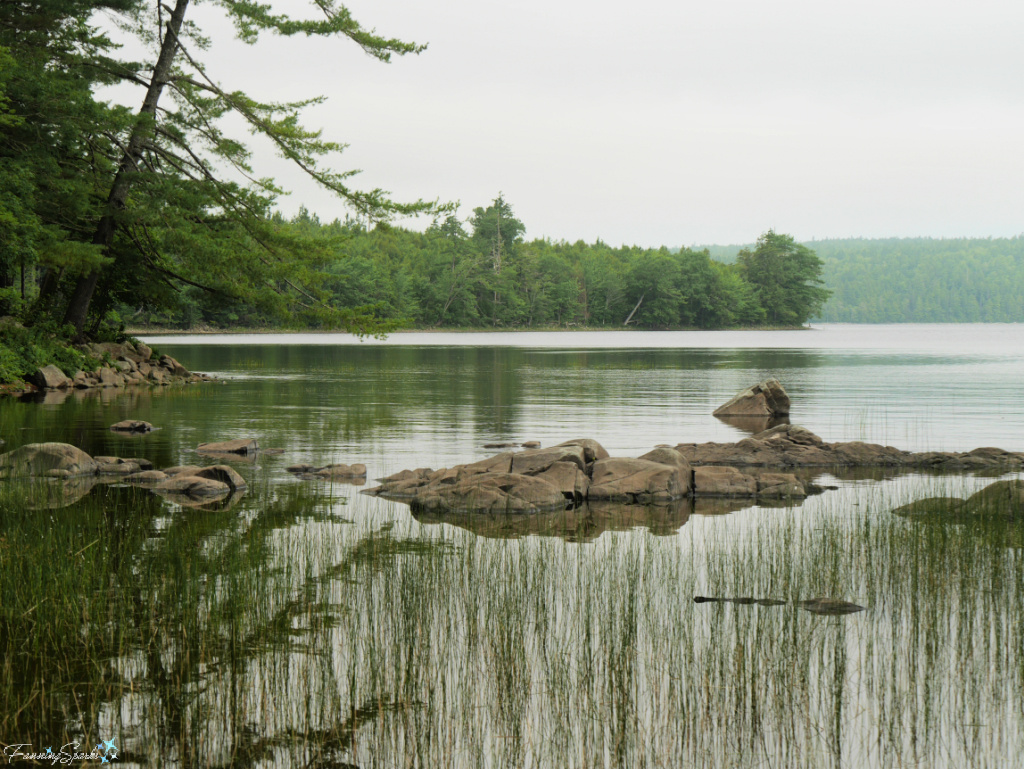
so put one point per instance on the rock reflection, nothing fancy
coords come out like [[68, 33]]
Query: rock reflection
[[751, 424], [582, 524]]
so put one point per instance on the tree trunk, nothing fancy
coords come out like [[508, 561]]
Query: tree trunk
[[78, 305]]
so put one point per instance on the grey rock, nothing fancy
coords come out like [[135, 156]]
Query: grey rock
[[637, 480], [50, 378], [765, 399], [56, 460], [244, 446]]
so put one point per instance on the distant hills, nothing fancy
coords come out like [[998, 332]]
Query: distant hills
[[917, 280]]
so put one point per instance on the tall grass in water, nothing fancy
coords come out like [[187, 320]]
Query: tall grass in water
[[286, 636]]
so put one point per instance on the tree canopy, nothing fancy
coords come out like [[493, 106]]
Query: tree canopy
[[111, 204], [786, 276]]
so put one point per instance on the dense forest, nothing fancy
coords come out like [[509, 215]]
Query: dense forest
[[484, 274], [917, 280]]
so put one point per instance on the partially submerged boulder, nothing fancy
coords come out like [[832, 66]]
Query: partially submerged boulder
[[638, 480], [192, 486], [53, 460], [492, 492], [131, 426], [243, 446], [765, 399]]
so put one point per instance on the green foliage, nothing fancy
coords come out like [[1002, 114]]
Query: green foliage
[[24, 350], [102, 204], [483, 274], [787, 278]]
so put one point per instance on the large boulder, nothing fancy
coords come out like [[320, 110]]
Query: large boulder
[[637, 480], [533, 461], [192, 486], [723, 481], [568, 478], [221, 473], [50, 378], [765, 399], [55, 460], [341, 471], [1002, 500], [490, 492], [592, 450]]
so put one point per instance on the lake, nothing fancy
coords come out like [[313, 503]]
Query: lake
[[306, 624]]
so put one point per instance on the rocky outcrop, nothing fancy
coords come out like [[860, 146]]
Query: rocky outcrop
[[68, 463], [638, 481], [765, 399], [125, 365], [792, 446], [572, 474]]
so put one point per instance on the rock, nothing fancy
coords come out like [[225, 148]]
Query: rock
[[300, 469], [491, 492], [131, 426], [665, 455], [108, 378], [50, 378], [533, 461], [80, 380], [143, 351], [592, 450], [182, 470], [192, 486], [56, 460], [722, 481], [765, 399], [123, 366], [829, 606], [244, 446], [499, 463], [637, 480], [173, 366], [499, 445], [530, 445], [146, 478], [341, 471], [568, 478], [951, 508], [1003, 500], [221, 473], [116, 467], [780, 486]]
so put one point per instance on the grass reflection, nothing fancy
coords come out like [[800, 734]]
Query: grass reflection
[[304, 633]]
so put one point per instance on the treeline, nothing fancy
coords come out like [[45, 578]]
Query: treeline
[[917, 280], [484, 274], [924, 280]]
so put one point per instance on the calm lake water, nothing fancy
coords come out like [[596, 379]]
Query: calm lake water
[[309, 625]]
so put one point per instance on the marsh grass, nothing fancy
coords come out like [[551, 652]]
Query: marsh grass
[[301, 632]]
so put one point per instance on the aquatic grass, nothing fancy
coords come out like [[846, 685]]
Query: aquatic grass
[[286, 634]]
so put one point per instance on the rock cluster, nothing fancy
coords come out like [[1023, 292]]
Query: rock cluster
[[130, 365], [64, 461], [577, 471], [792, 446]]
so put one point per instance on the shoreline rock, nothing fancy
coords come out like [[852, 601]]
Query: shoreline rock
[[130, 365]]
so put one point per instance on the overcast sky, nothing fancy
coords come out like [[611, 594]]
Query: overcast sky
[[674, 123]]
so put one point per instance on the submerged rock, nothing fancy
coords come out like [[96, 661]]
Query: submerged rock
[[132, 426]]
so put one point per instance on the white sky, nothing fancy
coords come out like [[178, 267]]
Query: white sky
[[675, 123]]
